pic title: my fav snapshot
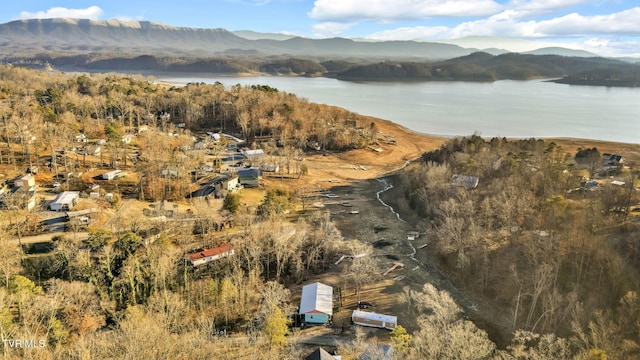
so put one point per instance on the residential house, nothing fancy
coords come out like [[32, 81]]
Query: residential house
[[65, 201], [19, 197], [231, 183], [612, 159], [27, 181], [249, 177], [208, 255], [316, 304]]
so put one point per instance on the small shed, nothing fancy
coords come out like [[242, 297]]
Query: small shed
[[65, 201], [365, 318], [316, 304]]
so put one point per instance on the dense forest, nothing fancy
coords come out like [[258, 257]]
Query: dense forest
[[562, 264]]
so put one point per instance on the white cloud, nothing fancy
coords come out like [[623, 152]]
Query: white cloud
[[530, 8], [507, 24], [597, 33], [393, 10], [624, 22], [92, 12], [611, 47], [330, 29]]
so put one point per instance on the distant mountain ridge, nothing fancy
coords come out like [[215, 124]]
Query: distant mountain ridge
[[150, 38], [148, 47]]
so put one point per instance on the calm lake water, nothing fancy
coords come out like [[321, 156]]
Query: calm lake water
[[503, 108]]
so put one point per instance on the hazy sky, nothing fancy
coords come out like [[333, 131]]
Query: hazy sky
[[607, 27]]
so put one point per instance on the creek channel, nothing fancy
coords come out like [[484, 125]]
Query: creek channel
[[429, 272]]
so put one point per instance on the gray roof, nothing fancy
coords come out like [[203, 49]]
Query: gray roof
[[319, 354]]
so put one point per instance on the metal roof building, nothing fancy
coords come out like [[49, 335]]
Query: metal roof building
[[316, 303], [65, 201]]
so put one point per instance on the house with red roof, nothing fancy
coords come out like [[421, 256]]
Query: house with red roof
[[206, 256]]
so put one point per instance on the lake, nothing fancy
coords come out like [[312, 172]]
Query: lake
[[508, 108]]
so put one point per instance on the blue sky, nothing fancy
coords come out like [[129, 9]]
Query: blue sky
[[607, 27]]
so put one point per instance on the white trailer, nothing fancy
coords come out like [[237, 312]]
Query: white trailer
[[366, 318], [111, 175]]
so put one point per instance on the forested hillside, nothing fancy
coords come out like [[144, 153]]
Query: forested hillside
[[558, 256], [481, 66]]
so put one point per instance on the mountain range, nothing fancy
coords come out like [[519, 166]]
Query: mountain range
[[148, 47], [70, 36]]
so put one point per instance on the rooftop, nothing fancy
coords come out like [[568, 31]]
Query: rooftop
[[210, 252], [66, 197]]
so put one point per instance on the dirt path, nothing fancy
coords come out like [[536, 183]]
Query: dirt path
[[423, 271], [46, 237]]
